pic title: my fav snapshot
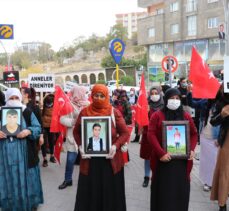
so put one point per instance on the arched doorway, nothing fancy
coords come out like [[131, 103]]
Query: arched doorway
[[76, 79], [84, 78], [101, 76], [59, 81], [121, 73], [92, 78], [68, 78]]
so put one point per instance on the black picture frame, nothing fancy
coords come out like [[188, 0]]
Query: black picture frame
[[176, 138], [8, 117], [88, 125]]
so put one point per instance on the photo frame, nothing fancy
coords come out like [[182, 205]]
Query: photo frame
[[96, 135], [176, 138], [11, 120]]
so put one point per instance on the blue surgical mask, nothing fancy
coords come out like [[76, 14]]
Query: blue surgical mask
[[184, 85]]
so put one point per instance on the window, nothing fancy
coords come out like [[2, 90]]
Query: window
[[212, 1], [174, 28], [192, 25], [212, 22], [151, 32], [174, 7], [160, 11], [191, 5]]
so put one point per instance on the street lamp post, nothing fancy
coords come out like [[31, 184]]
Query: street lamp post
[[165, 51], [7, 55]]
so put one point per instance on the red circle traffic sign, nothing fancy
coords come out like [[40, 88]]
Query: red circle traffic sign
[[165, 64]]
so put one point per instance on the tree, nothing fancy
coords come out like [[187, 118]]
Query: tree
[[3, 59], [21, 59], [100, 82], [108, 61], [45, 53], [134, 38], [117, 31], [127, 80]]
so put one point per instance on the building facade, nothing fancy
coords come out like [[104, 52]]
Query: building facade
[[31, 47], [129, 21], [172, 27]]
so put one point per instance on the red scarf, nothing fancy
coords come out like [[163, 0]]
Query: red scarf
[[99, 107]]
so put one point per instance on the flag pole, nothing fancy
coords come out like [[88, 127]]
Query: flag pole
[[170, 72], [117, 75]]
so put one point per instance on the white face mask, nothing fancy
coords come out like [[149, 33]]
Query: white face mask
[[13, 103], [173, 104], [155, 98], [131, 93], [37, 98]]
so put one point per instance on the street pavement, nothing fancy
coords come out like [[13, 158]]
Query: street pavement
[[137, 197]]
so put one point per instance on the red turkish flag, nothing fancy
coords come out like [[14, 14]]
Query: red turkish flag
[[205, 85], [141, 116], [58, 147], [62, 106]]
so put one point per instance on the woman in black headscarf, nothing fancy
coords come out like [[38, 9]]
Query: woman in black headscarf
[[170, 187]]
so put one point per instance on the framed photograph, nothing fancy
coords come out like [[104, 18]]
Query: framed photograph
[[176, 138], [96, 135], [11, 120]]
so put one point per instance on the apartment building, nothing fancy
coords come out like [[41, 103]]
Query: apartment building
[[31, 47], [173, 26], [129, 21]]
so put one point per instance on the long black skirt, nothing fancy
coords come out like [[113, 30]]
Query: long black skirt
[[170, 187], [101, 189]]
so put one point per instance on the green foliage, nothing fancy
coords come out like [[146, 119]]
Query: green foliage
[[93, 43], [21, 59], [108, 61], [117, 31], [45, 53], [127, 80], [3, 59], [134, 39], [101, 82]]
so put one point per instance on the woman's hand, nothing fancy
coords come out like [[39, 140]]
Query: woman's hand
[[225, 111], [112, 152], [41, 140], [2, 135], [216, 143], [192, 155], [83, 155], [24, 133], [165, 158], [189, 88]]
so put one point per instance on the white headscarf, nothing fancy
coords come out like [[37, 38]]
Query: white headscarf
[[14, 103]]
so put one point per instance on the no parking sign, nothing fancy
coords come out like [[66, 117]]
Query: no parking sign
[[169, 61]]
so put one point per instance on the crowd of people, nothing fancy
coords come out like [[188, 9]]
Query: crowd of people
[[101, 183]]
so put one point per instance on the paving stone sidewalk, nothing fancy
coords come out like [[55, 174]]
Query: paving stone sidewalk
[[137, 197]]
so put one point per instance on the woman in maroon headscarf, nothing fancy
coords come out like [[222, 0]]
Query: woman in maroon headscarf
[[101, 184]]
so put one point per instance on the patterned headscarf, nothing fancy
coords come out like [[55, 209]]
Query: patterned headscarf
[[156, 105], [78, 96], [99, 107]]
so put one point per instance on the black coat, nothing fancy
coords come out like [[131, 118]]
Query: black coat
[[217, 119], [90, 145]]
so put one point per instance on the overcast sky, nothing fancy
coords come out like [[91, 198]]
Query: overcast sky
[[59, 22]]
